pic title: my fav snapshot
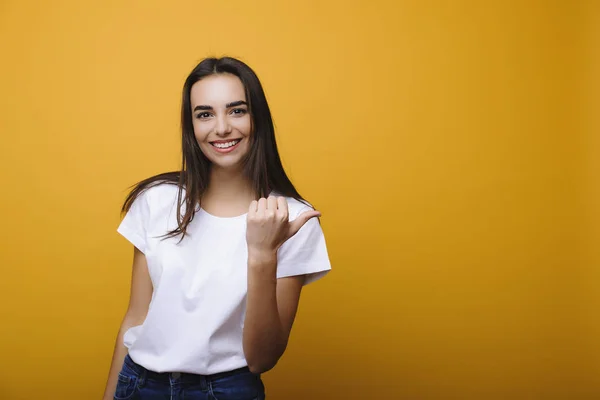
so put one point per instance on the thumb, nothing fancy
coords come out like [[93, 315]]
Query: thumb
[[302, 219]]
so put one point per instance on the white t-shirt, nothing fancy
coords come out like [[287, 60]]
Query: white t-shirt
[[196, 315]]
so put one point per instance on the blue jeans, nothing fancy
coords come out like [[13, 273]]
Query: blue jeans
[[136, 382]]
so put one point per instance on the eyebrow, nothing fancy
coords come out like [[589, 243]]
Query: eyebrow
[[228, 105]]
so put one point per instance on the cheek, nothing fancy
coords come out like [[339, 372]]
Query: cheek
[[244, 126], [200, 132]]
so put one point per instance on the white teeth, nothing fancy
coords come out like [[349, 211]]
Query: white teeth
[[225, 145]]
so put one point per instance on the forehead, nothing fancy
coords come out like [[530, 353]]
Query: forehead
[[217, 90]]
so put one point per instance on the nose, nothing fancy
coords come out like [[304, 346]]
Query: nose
[[223, 127]]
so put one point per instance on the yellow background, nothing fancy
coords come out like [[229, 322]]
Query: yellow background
[[452, 147]]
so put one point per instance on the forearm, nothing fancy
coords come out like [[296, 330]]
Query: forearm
[[120, 351], [264, 339]]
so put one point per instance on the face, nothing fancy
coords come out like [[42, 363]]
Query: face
[[222, 122]]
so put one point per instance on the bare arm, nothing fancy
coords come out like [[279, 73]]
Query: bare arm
[[271, 303], [270, 312], [139, 301]]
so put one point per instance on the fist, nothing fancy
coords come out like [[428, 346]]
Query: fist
[[268, 225]]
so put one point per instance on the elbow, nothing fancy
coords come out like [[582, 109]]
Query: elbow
[[259, 364], [258, 368], [262, 360], [131, 320]]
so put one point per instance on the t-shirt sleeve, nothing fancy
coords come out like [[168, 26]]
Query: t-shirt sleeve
[[134, 224], [305, 253]]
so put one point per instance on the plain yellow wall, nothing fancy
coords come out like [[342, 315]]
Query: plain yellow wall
[[442, 140], [590, 122]]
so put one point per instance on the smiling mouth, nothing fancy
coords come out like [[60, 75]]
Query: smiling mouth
[[225, 145]]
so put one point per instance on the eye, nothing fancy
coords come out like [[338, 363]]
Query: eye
[[239, 111], [203, 115]]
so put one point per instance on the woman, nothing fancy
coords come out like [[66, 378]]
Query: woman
[[222, 249]]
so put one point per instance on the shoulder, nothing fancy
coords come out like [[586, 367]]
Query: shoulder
[[161, 191], [159, 186], [158, 196]]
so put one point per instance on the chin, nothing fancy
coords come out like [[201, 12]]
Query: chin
[[227, 166], [225, 161]]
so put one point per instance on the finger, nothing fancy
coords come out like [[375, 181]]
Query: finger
[[282, 203], [282, 208], [252, 208], [302, 219], [272, 203], [262, 206]]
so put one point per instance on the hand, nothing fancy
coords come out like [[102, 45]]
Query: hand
[[268, 225]]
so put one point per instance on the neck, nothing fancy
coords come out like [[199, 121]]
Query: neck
[[229, 186]]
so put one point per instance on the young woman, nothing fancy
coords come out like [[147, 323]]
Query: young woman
[[222, 250]]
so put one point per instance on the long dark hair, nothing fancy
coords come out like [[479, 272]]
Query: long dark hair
[[262, 164]]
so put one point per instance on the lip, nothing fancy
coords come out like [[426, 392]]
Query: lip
[[227, 150]]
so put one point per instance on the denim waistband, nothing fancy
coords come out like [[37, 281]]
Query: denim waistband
[[182, 376]]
